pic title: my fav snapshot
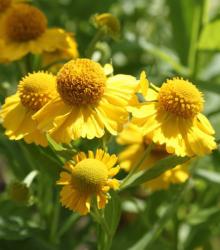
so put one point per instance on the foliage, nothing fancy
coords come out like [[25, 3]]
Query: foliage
[[165, 38]]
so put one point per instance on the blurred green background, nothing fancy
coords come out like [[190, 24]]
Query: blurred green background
[[166, 38]]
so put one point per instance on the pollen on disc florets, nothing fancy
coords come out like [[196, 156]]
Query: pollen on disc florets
[[36, 89], [181, 98], [24, 23], [81, 82], [90, 175], [4, 4]]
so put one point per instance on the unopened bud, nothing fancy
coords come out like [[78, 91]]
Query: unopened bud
[[108, 23], [18, 192]]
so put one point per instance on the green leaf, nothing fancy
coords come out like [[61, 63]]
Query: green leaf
[[108, 222], [159, 168], [208, 175], [202, 216], [210, 37], [145, 242], [164, 56], [211, 86], [13, 228], [68, 223], [181, 16], [62, 152], [16, 222], [112, 213]]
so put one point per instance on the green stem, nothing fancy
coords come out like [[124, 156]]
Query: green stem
[[91, 47], [200, 18], [137, 166], [162, 55], [104, 234], [55, 221], [27, 155], [28, 63], [192, 59], [146, 241], [205, 14], [100, 218], [68, 224], [105, 141], [175, 231], [21, 68]]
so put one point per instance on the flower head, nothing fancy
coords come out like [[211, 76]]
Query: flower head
[[4, 4], [81, 82], [180, 98], [108, 23], [24, 23], [56, 57], [19, 192], [136, 144], [89, 177], [172, 117], [177, 175], [34, 91], [23, 29], [88, 102]]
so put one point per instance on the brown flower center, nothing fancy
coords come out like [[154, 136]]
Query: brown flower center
[[180, 98], [81, 82], [90, 175], [4, 4], [36, 90], [24, 23]]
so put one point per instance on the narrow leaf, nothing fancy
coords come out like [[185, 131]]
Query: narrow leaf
[[208, 175], [113, 212], [210, 38], [159, 168]]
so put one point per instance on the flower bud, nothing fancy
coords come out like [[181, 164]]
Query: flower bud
[[108, 23]]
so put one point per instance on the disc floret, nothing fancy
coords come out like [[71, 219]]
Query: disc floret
[[81, 82], [181, 98], [24, 23]]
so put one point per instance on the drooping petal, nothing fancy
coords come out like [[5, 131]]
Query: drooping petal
[[65, 179], [101, 200]]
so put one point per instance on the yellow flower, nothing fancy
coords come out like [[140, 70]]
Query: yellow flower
[[6, 4], [88, 102], [34, 91], [142, 88], [177, 175], [172, 117], [55, 58], [136, 143], [23, 30], [108, 23], [87, 178]]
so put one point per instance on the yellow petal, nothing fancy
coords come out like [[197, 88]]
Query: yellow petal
[[111, 161], [113, 183], [36, 137], [101, 200], [113, 171], [108, 69], [144, 84], [205, 125], [65, 179], [91, 154]]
